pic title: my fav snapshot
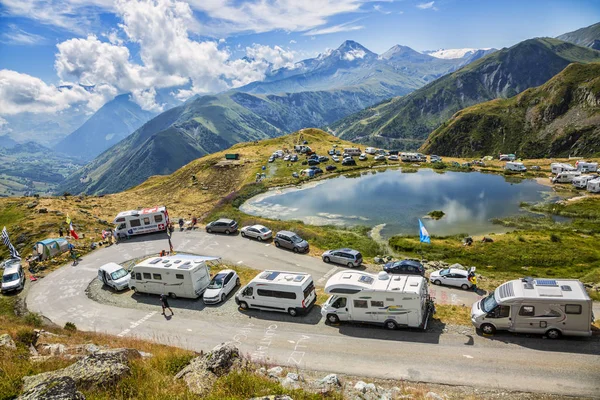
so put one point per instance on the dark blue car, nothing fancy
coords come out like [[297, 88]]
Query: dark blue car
[[405, 267]]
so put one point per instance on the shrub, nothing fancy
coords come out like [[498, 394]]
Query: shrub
[[69, 326], [25, 336], [177, 362], [436, 214], [555, 238], [33, 319]]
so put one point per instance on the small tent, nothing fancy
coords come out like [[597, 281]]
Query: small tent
[[48, 248]]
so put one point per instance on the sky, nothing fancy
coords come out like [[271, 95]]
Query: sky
[[55, 54]]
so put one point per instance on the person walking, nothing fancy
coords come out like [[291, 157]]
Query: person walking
[[473, 279], [164, 301], [181, 224], [73, 254], [60, 231], [115, 236]]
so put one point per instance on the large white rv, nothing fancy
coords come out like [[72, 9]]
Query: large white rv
[[390, 300], [593, 186], [147, 220], [585, 166], [552, 307], [580, 182], [515, 166], [561, 167], [565, 177], [176, 276]]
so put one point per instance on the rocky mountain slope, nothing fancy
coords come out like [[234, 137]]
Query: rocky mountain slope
[[405, 122], [588, 36], [557, 119]]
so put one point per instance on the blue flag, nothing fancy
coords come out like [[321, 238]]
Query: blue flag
[[423, 234]]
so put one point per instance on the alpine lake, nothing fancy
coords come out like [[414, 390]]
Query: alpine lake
[[394, 201]]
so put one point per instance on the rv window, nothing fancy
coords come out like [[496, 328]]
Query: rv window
[[339, 303], [572, 308], [122, 219], [550, 313], [248, 291], [138, 276], [361, 304], [376, 303], [158, 218], [122, 226], [527, 311], [146, 220], [276, 293], [157, 277], [309, 289], [179, 276], [134, 223], [147, 275]]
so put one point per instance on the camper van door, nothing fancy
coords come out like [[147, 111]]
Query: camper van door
[[341, 305]]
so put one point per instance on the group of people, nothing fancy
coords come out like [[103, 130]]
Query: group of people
[[194, 222]]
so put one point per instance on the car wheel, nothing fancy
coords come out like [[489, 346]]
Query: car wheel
[[260, 239], [326, 259], [292, 311], [223, 298], [277, 244], [350, 265], [553, 334], [227, 232], [437, 282], [295, 249], [243, 305], [172, 295], [243, 234], [464, 286], [237, 282], [208, 230], [333, 319], [488, 329], [391, 325]]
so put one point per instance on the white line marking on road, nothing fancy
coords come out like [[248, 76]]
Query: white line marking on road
[[328, 274], [267, 245], [266, 255], [239, 262], [227, 245], [297, 265], [189, 330], [135, 324], [467, 356]]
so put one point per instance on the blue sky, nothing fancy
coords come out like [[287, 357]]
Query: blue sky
[[223, 30]]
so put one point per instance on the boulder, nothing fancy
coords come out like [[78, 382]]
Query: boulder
[[202, 372], [100, 368], [7, 342], [275, 372], [330, 380], [52, 349], [434, 396], [364, 387], [292, 381], [273, 397], [56, 388], [43, 211]]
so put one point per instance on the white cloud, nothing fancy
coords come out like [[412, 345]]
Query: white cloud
[[293, 41], [427, 6], [146, 99], [379, 9], [276, 56], [354, 54], [4, 129], [15, 35], [345, 27]]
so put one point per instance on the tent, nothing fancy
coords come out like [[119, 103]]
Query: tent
[[48, 248]]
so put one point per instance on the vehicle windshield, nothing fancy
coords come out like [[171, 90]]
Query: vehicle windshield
[[10, 277], [118, 274], [217, 282], [296, 239], [263, 229], [489, 303], [444, 272]]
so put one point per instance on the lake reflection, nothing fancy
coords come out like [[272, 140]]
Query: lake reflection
[[398, 199]]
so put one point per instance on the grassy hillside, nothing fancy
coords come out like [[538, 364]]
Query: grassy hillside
[[407, 121], [557, 119], [588, 36]]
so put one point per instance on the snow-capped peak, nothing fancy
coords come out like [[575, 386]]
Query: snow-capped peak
[[452, 53], [354, 54]]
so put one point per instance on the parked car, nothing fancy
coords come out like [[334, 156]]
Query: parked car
[[331, 152], [330, 168], [317, 170], [406, 267], [348, 161], [289, 240], [7, 263], [323, 158], [294, 158], [258, 232], [393, 157], [451, 277], [379, 157], [114, 275], [335, 158], [479, 163], [338, 152], [349, 257], [313, 161], [271, 159], [286, 157], [362, 157], [434, 158], [223, 283], [223, 225], [13, 278]]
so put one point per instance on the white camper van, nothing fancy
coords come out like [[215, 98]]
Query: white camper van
[[593, 186], [352, 151], [291, 292], [515, 166], [557, 168], [390, 300], [147, 220], [565, 177], [114, 275], [586, 167], [580, 182], [546, 306], [177, 276]]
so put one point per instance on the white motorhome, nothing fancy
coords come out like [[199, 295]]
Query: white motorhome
[[147, 220], [176, 276], [593, 186], [565, 177], [584, 166], [114, 275], [557, 168], [353, 151], [390, 300], [515, 166], [370, 150], [545, 306], [580, 182], [291, 292]]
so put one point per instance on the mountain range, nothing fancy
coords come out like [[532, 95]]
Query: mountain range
[[405, 122], [587, 37], [558, 119]]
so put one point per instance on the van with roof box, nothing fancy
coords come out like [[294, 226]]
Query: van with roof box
[[551, 307], [290, 292]]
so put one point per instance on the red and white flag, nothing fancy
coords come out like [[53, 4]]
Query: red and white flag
[[72, 232]]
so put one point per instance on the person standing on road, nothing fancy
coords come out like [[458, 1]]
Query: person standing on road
[[115, 236], [164, 301], [60, 231]]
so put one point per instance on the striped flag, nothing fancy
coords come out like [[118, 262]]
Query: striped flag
[[72, 232], [423, 234], [13, 252]]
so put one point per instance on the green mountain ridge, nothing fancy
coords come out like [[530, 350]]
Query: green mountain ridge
[[557, 119], [588, 36], [405, 122]]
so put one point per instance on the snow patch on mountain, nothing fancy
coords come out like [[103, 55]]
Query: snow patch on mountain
[[453, 53], [354, 54]]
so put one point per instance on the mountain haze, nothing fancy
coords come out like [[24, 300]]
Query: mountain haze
[[558, 119], [405, 122]]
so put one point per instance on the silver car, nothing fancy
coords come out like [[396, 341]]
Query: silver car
[[349, 257], [451, 277], [258, 232], [289, 240], [223, 225]]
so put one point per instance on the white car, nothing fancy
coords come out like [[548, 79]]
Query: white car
[[220, 286], [393, 157], [362, 157], [452, 277], [379, 157], [258, 232], [335, 158]]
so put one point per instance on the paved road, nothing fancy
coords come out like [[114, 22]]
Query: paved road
[[508, 362]]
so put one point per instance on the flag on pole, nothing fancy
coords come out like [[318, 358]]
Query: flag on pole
[[72, 232], [13, 252], [423, 234]]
